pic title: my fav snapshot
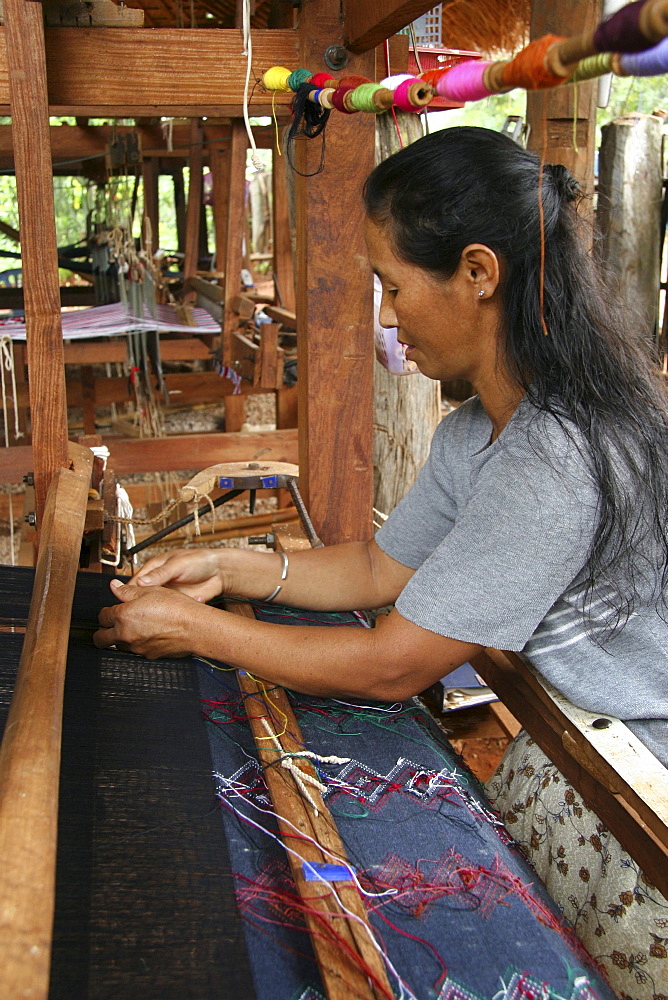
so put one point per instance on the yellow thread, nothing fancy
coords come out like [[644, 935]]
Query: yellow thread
[[276, 78]]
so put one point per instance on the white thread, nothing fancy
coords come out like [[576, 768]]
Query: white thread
[[248, 52]]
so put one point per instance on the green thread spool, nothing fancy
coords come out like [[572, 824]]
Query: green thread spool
[[297, 77], [591, 67], [361, 98]]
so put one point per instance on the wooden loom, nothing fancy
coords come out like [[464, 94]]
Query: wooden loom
[[335, 454]]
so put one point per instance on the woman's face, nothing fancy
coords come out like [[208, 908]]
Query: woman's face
[[443, 325]]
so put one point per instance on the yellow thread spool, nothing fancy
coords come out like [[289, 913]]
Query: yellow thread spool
[[276, 78]]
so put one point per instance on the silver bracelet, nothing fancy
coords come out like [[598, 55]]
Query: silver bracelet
[[284, 573]]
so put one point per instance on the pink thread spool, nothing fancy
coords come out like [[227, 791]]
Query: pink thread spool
[[413, 95], [464, 82]]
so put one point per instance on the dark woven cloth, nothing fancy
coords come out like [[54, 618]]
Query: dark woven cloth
[[145, 905]]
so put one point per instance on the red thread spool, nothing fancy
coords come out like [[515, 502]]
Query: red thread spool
[[320, 80], [352, 81], [337, 99], [529, 70], [432, 76]]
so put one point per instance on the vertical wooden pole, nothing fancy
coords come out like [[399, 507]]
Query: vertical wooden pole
[[563, 121], [150, 176], [218, 137], [193, 215], [235, 229], [24, 33], [283, 260], [180, 209], [235, 406], [335, 305]]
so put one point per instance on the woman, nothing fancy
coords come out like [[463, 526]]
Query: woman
[[537, 523]]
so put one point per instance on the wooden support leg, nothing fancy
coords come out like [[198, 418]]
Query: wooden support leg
[[24, 32], [88, 394], [235, 406], [151, 175]]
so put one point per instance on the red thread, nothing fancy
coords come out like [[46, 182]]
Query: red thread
[[323, 80]]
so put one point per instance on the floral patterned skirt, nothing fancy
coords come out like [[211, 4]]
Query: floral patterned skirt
[[620, 917]]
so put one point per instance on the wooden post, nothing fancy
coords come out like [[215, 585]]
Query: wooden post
[[406, 407], [334, 305], [284, 268], [194, 204], [150, 176], [563, 120], [24, 32], [235, 406], [180, 209], [628, 213], [218, 138]]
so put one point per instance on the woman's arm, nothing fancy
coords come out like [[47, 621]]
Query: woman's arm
[[392, 661], [335, 578]]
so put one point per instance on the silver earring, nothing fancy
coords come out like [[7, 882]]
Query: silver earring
[[481, 293]]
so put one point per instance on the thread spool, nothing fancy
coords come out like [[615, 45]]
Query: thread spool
[[593, 66], [353, 80], [464, 82], [392, 82], [412, 95], [529, 68], [362, 98], [276, 78], [651, 62], [322, 80], [653, 20], [383, 98], [621, 32], [297, 77], [325, 98], [338, 100]]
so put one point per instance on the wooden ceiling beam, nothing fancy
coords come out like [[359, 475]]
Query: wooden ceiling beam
[[188, 72], [367, 23], [72, 145]]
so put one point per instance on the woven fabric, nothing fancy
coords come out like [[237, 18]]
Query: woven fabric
[[469, 918], [145, 908]]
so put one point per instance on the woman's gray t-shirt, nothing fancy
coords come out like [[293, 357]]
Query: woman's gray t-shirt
[[498, 535]]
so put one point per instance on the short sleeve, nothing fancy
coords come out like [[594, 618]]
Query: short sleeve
[[519, 542]]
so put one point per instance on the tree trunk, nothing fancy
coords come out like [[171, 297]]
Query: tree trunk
[[629, 213], [406, 407]]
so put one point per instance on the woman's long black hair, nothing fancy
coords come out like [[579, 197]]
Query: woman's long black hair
[[590, 369]]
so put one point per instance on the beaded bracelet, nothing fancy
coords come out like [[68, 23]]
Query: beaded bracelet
[[284, 573]]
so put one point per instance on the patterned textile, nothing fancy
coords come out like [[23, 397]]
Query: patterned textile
[[620, 917], [455, 906]]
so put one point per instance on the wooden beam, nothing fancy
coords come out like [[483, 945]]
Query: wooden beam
[[154, 76], [30, 754], [370, 22], [335, 308], [632, 800], [24, 40], [197, 451]]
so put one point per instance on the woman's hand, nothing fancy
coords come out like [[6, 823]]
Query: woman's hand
[[196, 573], [152, 622]]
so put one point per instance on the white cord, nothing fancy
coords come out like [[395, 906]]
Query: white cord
[[248, 52]]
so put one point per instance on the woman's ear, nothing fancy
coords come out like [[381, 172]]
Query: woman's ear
[[480, 266]]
